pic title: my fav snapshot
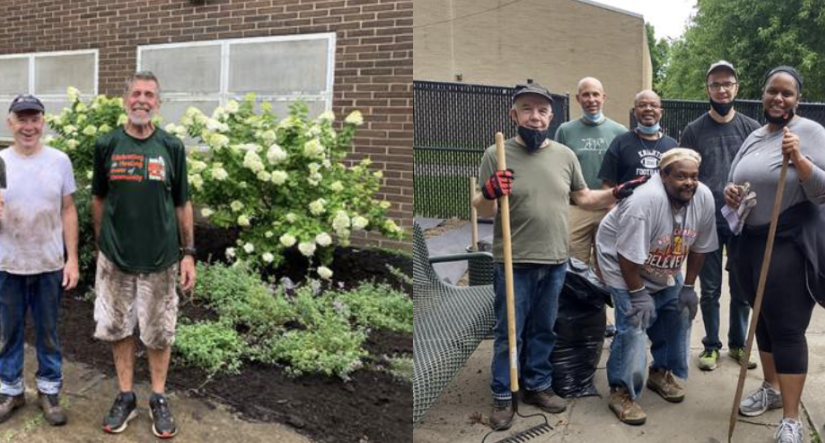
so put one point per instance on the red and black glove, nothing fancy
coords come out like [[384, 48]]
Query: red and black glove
[[625, 189], [500, 183]]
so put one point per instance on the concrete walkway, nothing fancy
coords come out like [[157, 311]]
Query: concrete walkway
[[88, 395], [457, 415]]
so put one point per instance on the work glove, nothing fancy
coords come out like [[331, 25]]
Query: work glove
[[642, 308], [625, 189], [500, 183], [688, 299]]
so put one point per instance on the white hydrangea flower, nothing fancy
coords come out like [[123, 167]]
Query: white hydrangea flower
[[89, 175], [323, 239], [267, 257], [264, 176], [232, 107], [336, 186], [313, 149], [290, 217], [218, 114], [307, 248], [355, 118], [243, 221], [359, 222], [317, 207], [70, 129], [269, 137], [366, 161], [249, 248], [390, 225], [275, 154], [196, 181], [327, 116], [213, 124], [341, 221], [72, 143], [378, 174], [197, 166], [269, 234], [73, 94], [230, 252], [314, 179], [171, 128], [385, 204], [206, 212], [314, 167], [236, 206], [218, 141], [104, 128], [324, 272], [287, 240], [122, 119], [90, 130], [279, 177], [327, 164], [253, 161], [314, 131], [219, 173]]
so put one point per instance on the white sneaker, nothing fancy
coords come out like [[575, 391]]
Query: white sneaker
[[763, 398], [790, 431]]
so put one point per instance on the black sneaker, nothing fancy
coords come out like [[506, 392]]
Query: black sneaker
[[123, 411], [163, 423]]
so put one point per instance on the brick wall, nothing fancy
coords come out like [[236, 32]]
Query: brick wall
[[373, 71]]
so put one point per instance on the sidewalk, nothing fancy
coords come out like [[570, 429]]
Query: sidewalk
[[88, 395], [702, 417]]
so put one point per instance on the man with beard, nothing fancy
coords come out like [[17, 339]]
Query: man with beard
[[641, 247], [637, 152], [143, 225], [717, 136], [548, 175]]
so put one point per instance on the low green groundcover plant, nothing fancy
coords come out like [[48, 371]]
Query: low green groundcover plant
[[308, 330]]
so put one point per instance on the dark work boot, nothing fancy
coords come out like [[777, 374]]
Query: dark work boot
[[9, 403], [547, 400], [52, 412], [502, 416]]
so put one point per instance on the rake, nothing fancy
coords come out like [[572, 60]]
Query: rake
[[504, 206]]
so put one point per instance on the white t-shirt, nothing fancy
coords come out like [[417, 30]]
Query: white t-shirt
[[31, 228], [645, 230]]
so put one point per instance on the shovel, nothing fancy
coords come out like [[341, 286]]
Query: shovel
[[760, 290], [504, 207]]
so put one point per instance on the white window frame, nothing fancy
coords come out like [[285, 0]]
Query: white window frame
[[46, 98], [223, 96]]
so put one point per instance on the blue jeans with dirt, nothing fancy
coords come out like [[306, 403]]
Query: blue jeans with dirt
[[669, 333], [710, 278], [537, 288], [40, 294]]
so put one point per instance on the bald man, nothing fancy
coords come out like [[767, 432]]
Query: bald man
[[588, 137], [641, 247], [637, 152]]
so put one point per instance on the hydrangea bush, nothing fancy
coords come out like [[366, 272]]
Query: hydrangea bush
[[282, 181]]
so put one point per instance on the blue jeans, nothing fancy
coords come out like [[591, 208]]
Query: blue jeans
[[669, 334], [41, 294], [711, 281], [537, 288]]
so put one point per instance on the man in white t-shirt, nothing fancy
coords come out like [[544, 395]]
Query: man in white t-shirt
[[641, 247], [38, 257]]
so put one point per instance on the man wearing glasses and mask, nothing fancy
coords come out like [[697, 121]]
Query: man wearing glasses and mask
[[717, 135]]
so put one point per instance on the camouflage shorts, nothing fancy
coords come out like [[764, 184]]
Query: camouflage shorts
[[124, 301]]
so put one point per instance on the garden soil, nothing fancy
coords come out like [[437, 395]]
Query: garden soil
[[373, 406]]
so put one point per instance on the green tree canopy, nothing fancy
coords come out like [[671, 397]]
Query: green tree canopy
[[754, 35], [658, 55]]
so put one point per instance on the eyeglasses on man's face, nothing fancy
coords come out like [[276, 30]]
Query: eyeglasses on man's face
[[727, 86]]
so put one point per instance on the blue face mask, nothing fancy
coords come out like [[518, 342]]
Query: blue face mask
[[648, 130], [532, 138], [593, 118]]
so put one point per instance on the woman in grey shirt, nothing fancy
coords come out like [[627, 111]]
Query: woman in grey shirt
[[788, 301]]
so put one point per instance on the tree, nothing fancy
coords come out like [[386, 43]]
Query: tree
[[755, 35], [658, 55]]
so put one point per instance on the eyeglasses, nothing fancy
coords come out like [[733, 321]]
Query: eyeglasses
[[643, 106], [717, 86]]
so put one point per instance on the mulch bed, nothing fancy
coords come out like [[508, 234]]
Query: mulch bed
[[371, 407]]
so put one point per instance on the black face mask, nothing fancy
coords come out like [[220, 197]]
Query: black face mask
[[721, 108], [532, 138], [779, 121]]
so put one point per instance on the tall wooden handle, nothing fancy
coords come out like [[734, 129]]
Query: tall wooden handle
[[760, 290], [473, 214], [504, 207]]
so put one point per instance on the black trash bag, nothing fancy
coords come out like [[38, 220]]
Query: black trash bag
[[579, 330]]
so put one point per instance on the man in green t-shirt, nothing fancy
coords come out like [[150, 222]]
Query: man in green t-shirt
[[143, 226], [588, 137], [542, 178]]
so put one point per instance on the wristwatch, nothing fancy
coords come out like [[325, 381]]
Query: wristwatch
[[189, 251]]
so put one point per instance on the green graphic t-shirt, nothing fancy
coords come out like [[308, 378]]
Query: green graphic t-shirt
[[142, 182]]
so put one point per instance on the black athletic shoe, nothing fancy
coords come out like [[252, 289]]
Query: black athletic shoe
[[123, 411], [163, 423]]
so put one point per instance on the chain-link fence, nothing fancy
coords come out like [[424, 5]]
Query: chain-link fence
[[454, 124]]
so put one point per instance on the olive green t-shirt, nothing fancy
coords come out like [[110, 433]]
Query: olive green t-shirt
[[142, 182], [589, 142], [538, 203]]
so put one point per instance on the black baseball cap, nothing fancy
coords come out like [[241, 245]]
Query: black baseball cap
[[722, 64], [26, 102], [532, 88]]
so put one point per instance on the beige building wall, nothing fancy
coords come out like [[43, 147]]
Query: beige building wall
[[554, 42]]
